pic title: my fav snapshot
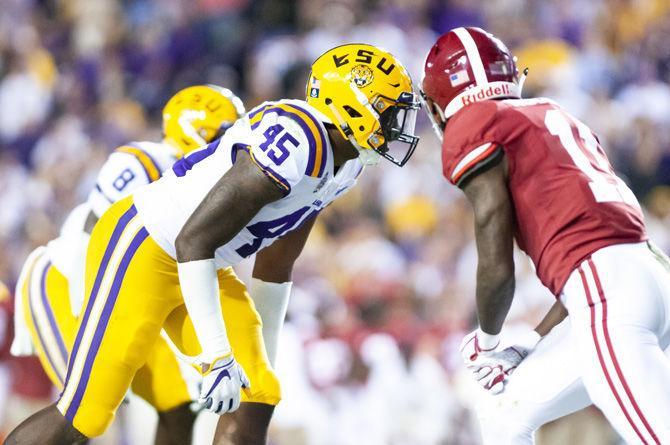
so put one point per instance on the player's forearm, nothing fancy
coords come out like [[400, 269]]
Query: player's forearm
[[495, 291], [274, 264], [228, 207], [556, 314], [494, 228], [495, 266], [267, 270], [211, 225]]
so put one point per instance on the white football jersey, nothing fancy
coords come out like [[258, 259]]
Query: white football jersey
[[288, 141], [129, 167]]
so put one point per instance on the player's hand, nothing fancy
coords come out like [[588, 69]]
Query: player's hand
[[491, 368], [221, 385], [475, 352]]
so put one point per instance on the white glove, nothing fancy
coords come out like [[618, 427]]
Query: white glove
[[491, 370], [477, 343], [475, 348], [221, 385], [490, 367]]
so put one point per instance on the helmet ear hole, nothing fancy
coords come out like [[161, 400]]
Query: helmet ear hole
[[351, 111]]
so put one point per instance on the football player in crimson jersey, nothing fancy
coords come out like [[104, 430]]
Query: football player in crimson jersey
[[535, 174]]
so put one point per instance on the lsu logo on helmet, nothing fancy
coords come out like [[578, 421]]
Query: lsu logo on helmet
[[199, 114], [367, 93], [362, 76]]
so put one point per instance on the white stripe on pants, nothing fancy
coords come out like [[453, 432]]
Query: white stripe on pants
[[619, 301]]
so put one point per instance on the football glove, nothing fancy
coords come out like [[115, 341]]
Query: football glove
[[477, 343], [221, 385], [475, 348], [490, 368]]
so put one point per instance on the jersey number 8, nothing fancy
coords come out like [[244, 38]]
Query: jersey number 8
[[123, 179]]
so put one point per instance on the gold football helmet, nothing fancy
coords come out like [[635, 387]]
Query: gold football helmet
[[199, 114], [368, 94]]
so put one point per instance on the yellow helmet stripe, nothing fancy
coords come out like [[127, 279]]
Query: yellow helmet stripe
[[150, 166], [317, 153]]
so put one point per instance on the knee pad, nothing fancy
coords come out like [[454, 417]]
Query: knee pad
[[92, 421], [265, 387]]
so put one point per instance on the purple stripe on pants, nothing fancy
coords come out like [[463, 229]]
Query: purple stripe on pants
[[50, 314], [104, 320], [41, 338], [111, 245]]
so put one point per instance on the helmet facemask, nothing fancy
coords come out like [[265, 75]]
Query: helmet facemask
[[435, 115], [395, 139]]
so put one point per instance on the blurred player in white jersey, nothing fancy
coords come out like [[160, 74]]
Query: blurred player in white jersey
[[50, 290], [161, 258], [535, 174]]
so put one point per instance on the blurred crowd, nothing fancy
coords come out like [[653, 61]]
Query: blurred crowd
[[385, 288]]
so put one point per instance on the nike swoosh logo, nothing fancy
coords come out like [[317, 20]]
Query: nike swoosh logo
[[394, 85]]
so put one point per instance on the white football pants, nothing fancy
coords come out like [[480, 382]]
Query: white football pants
[[609, 352]]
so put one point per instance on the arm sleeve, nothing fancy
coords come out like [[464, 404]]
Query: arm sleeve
[[471, 143], [119, 176], [287, 146], [200, 288]]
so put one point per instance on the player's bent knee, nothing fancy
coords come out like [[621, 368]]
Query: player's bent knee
[[504, 426], [521, 434], [265, 387], [175, 426]]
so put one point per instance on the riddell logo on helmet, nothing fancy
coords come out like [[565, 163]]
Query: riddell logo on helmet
[[488, 93]]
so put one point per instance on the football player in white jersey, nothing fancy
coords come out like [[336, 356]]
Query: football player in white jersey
[[160, 258], [50, 290]]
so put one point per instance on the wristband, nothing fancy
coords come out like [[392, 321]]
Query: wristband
[[487, 342], [529, 340], [200, 288], [271, 301]]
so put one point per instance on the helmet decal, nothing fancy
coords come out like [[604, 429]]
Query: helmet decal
[[367, 94], [198, 114], [459, 77], [314, 86], [473, 55], [467, 65], [362, 76]]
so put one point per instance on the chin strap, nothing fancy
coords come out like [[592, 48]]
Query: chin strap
[[366, 156], [439, 132], [522, 80]]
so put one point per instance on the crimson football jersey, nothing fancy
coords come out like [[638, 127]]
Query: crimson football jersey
[[567, 199]]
